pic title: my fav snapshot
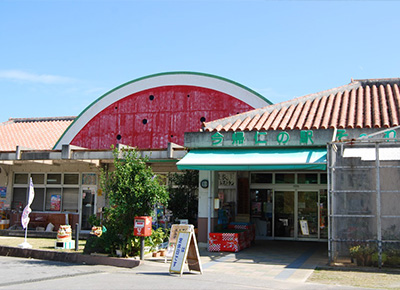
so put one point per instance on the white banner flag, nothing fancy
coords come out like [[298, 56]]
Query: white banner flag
[[27, 210]]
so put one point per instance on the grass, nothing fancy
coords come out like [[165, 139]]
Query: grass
[[380, 279], [46, 244]]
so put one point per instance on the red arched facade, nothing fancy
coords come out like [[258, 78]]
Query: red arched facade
[[152, 118]]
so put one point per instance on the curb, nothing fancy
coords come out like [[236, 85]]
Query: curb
[[68, 257]]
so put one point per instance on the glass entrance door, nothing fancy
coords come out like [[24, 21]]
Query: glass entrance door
[[261, 211], [284, 223], [307, 214]]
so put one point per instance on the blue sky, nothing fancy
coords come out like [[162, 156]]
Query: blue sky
[[58, 56]]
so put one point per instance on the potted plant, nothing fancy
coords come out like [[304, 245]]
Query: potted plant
[[155, 240], [362, 254]]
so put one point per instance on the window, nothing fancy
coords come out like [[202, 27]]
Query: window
[[71, 178], [53, 199], [307, 178], [89, 178], [288, 178], [324, 178], [284, 178], [261, 178], [53, 178], [21, 178], [37, 178], [19, 198], [38, 201], [58, 192], [70, 199]]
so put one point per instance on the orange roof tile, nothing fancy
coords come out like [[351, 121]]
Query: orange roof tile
[[34, 133], [370, 103]]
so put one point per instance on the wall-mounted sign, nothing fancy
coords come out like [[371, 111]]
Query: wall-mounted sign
[[274, 138]]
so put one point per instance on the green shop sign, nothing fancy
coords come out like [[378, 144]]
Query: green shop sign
[[278, 138]]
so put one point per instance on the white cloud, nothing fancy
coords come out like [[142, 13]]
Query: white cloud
[[17, 75]]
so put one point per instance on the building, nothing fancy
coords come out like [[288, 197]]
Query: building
[[269, 165], [64, 156]]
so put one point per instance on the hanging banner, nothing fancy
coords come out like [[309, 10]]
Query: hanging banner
[[27, 210]]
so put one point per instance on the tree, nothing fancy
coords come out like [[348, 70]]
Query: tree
[[183, 189], [132, 189]]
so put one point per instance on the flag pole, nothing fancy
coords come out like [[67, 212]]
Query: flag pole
[[25, 215]]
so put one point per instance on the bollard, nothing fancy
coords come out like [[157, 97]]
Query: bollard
[[76, 237]]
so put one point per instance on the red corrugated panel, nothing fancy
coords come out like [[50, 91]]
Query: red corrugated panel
[[392, 106], [385, 113], [287, 117], [320, 113], [343, 110], [244, 124], [278, 118], [360, 107], [327, 112], [375, 108], [352, 109], [235, 125], [253, 122], [295, 116], [154, 117], [270, 120], [261, 122], [311, 115], [368, 106], [335, 111], [303, 115]]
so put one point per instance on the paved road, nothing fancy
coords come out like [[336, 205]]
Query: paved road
[[19, 273]]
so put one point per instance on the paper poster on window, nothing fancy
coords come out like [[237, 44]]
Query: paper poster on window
[[304, 227], [55, 202], [3, 192]]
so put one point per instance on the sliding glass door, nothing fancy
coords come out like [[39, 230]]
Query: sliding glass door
[[284, 223]]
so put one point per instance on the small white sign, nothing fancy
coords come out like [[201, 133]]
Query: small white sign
[[139, 223]]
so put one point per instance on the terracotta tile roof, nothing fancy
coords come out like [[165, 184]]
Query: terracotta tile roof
[[35, 133], [370, 103]]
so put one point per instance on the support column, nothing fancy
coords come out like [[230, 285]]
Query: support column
[[206, 215]]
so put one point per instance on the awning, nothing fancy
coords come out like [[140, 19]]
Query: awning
[[255, 159]]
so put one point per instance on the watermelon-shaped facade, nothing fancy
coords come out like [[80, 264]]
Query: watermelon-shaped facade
[[150, 112]]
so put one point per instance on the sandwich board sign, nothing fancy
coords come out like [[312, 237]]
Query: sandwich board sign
[[185, 251], [173, 237]]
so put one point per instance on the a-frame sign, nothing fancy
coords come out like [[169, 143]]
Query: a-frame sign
[[185, 251]]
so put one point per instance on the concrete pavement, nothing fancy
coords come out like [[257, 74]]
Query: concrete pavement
[[32, 274]]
